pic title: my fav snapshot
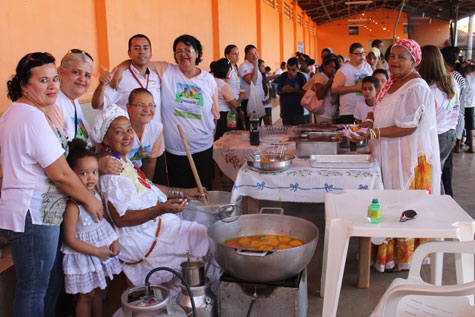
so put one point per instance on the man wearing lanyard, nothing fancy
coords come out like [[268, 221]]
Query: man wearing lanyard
[[139, 75]]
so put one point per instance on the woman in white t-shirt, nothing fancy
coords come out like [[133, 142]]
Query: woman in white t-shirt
[[249, 72], [442, 85], [189, 99], [226, 97], [75, 73], [36, 177], [148, 133], [347, 82]]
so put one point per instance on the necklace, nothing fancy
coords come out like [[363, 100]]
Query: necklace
[[129, 173]]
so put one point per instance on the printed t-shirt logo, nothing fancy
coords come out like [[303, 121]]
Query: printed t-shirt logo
[[137, 154], [81, 133], [189, 101]]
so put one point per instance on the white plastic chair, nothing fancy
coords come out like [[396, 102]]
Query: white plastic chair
[[414, 297]]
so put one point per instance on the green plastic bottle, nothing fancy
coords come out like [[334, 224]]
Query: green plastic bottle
[[231, 120], [374, 212]]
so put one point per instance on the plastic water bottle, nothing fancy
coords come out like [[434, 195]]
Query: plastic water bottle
[[231, 119], [254, 129], [374, 212]]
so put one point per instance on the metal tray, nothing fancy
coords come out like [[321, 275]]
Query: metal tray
[[342, 161], [276, 163]]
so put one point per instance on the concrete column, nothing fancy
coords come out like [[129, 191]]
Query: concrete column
[[470, 37]]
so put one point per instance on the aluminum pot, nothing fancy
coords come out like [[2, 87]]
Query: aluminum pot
[[263, 266], [219, 207]]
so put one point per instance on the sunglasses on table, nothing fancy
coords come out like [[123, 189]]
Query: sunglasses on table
[[407, 215]]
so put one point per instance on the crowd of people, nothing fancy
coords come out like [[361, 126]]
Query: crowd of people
[[132, 163]]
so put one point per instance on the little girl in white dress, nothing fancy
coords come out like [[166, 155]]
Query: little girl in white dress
[[90, 248]]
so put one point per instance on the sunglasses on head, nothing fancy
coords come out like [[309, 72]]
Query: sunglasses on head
[[78, 51], [407, 215]]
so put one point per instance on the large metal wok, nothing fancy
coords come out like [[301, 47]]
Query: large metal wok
[[263, 266]]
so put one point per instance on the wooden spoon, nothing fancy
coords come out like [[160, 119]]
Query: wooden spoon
[[192, 164]]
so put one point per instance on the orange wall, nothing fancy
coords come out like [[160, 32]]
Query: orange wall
[[270, 51], [24, 32], [335, 34], [103, 27], [150, 18], [288, 44], [237, 24], [431, 32]]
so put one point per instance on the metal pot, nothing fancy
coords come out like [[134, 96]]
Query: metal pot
[[219, 208], [264, 266], [193, 272]]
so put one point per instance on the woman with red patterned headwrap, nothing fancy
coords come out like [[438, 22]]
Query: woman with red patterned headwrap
[[404, 141]]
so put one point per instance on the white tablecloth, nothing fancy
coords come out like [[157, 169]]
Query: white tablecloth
[[303, 183]]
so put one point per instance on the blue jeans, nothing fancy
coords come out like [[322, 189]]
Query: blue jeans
[[34, 252], [446, 145]]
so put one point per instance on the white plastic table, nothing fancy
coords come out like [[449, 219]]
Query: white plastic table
[[345, 214]]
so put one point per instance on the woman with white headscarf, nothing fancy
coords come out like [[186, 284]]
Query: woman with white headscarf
[[404, 140], [143, 214]]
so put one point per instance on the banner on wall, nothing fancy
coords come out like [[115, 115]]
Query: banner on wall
[[300, 47]]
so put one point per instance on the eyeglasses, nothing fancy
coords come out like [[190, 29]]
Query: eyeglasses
[[142, 105], [359, 54], [186, 50], [407, 215], [79, 51]]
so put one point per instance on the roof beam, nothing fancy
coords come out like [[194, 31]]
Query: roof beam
[[325, 9]]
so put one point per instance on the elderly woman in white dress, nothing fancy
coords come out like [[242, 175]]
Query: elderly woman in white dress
[[405, 142], [150, 234]]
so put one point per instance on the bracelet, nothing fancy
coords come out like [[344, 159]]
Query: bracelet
[[369, 120], [372, 134], [379, 133], [174, 192]]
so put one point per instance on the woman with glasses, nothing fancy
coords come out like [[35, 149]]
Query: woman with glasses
[[75, 73], [148, 133], [404, 142], [347, 82], [36, 178], [189, 99]]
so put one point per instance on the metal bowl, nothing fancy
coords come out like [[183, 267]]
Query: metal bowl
[[345, 143], [270, 162]]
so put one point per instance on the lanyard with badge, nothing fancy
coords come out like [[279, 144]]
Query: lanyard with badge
[[138, 81]]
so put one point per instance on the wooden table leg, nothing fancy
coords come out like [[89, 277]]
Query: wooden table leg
[[364, 259]]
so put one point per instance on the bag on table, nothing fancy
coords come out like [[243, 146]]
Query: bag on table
[[311, 102], [255, 102]]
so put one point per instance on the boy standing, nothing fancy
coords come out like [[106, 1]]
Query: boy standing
[[369, 88]]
